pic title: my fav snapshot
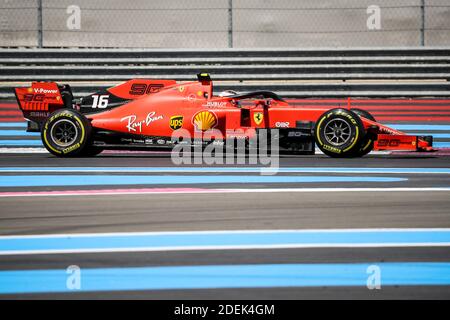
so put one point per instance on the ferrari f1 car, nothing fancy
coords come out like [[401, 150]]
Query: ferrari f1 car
[[144, 113]]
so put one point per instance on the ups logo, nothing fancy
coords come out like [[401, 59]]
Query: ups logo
[[176, 122]]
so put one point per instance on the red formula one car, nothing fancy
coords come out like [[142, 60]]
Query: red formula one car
[[144, 113]]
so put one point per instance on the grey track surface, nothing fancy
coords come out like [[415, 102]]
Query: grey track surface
[[314, 293], [42, 215], [162, 159], [135, 213]]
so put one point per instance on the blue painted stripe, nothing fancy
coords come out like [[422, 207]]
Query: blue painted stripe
[[227, 169], [225, 276], [89, 180], [13, 124], [435, 135], [21, 143], [439, 144], [20, 133], [409, 127], [183, 240], [418, 126]]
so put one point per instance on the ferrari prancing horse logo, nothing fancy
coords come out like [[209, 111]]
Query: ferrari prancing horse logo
[[258, 117]]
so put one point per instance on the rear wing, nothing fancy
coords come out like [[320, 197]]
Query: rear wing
[[39, 96], [40, 99]]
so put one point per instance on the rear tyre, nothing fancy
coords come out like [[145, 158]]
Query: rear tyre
[[368, 141], [339, 133], [66, 133]]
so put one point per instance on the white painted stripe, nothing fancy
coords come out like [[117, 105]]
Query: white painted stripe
[[211, 169], [23, 150], [43, 150], [218, 191], [220, 232], [343, 189], [235, 247]]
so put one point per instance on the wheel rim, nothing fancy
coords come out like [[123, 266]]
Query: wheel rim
[[338, 132], [64, 132]]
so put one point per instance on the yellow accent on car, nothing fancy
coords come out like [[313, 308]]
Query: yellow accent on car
[[354, 141], [205, 120], [58, 116], [258, 117], [46, 141]]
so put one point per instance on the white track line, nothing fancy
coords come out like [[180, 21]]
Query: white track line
[[235, 247], [211, 169], [23, 150], [214, 232], [255, 246], [217, 191], [43, 150]]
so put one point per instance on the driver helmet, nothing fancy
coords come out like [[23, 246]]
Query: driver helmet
[[227, 93]]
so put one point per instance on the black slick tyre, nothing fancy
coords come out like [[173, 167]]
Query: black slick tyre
[[369, 139], [339, 133], [66, 133]]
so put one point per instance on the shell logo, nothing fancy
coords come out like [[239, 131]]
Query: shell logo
[[204, 120]]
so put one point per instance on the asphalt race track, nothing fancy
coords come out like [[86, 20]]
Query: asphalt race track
[[134, 225], [153, 230]]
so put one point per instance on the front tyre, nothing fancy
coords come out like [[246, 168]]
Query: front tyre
[[367, 143], [339, 133], [66, 133]]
